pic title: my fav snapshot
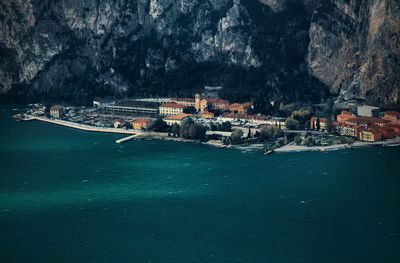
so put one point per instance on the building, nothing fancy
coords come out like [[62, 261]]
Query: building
[[57, 111], [102, 103], [255, 119], [345, 116], [370, 135], [119, 123], [206, 104], [368, 121], [392, 116], [367, 111], [134, 106], [348, 130], [187, 102], [240, 107], [176, 119], [314, 123], [207, 115], [171, 109], [141, 124]]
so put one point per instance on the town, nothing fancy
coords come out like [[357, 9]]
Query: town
[[209, 119]]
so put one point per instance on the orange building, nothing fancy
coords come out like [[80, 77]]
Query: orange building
[[368, 121], [240, 107], [370, 135], [210, 104], [392, 116], [207, 115], [322, 123], [140, 124], [345, 116]]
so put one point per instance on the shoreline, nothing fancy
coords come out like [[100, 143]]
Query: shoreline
[[143, 135], [291, 147]]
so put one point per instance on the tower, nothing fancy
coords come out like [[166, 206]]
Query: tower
[[197, 101]]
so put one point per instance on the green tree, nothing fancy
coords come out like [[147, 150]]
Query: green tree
[[318, 124], [297, 139], [160, 125], [175, 130], [237, 136], [291, 124], [309, 141]]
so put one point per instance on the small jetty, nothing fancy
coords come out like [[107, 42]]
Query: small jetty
[[127, 138], [269, 152]]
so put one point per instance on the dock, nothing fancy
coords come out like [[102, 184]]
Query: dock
[[127, 138]]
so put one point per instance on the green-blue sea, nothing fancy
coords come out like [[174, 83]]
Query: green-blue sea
[[73, 196]]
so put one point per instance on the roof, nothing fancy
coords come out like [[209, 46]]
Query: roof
[[345, 112], [210, 100], [57, 107], [141, 121], [246, 104], [394, 113], [314, 118], [178, 117], [185, 99], [119, 120], [172, 105], [137, 104]]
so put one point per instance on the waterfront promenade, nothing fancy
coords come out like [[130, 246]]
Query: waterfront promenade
[[292, 147], [82, 126]]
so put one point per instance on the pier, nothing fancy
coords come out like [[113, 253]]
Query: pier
[[127, 138]]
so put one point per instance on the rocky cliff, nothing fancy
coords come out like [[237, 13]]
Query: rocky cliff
[[355, 49], [257, 49]]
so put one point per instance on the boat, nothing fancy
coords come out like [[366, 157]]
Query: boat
[[348, 146], [268, 152]]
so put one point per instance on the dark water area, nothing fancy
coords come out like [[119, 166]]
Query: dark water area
[[75, 196]]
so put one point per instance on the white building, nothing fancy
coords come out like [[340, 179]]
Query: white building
[[368, 111]]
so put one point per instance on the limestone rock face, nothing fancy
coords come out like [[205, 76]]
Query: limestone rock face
[[355, 49], [70, 49]]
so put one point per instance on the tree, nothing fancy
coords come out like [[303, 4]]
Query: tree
[[160, 125], [268, 132], [317, 125], [309, 141], [249, 133], [175, 130], [237, 136], [193, 131], [291, 123], [189, 110], [297, 140]]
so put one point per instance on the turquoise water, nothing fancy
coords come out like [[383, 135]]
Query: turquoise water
[[74, 196]]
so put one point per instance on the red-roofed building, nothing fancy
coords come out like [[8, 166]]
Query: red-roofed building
[[56, 111], [119, 123], [240, 107], [392, 116], [207, 115], [140, 124], [171, 109], [176, 119], [322, 123], [345, 116]]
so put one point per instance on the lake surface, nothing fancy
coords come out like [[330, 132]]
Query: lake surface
[[75, 196]]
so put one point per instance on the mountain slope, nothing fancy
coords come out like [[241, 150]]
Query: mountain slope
[[257, 49]]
